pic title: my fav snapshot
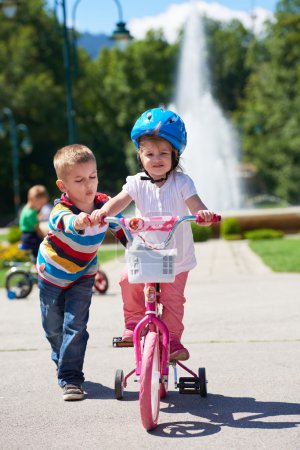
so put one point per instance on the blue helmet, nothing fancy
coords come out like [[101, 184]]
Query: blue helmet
[[163, 123]]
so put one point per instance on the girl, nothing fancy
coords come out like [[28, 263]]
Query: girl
[[160, 190]]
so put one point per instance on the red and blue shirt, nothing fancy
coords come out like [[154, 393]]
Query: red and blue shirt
[[65, 255]]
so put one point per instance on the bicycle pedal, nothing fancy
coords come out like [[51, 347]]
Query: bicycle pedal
[[189, 385], [118, 342]]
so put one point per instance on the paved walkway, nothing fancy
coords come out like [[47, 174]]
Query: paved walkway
[[242, 324]]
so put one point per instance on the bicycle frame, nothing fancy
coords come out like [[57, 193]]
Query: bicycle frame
[[159, 340]]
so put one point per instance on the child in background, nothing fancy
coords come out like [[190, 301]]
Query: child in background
[[160, 190], [29, 222], [67, 264]]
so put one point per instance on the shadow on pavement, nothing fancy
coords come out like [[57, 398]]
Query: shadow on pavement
[[222, 411], [96, 391]]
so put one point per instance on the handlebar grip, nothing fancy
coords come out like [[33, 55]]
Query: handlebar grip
[[216, 218]]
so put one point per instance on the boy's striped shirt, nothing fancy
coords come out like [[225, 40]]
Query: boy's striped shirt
[[65, 255]]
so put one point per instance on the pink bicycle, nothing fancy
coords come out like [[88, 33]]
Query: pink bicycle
[[152, 264]]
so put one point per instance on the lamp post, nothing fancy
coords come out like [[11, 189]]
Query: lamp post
[[121, 35], [68, 76], [9, 7], [14, 142]]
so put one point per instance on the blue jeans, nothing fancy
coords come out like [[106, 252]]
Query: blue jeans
[[65, 313]]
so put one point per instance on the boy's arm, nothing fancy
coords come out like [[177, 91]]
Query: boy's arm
[[39, 231], [196, 206], [111, 207]]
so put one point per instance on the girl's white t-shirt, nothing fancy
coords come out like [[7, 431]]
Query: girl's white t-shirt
[[167, 200]]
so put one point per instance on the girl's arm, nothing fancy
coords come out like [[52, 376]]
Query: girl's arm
[[196, 206], [111, 208]]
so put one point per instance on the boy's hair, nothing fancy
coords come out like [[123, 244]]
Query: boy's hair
[[68, 156], [154, 137], [36, 192]]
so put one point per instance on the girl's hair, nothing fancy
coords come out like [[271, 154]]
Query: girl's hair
[[68, 156], [153, 137]]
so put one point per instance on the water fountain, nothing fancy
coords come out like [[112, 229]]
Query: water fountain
[[211, 156]]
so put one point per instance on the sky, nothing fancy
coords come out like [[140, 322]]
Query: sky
[[100, 16]]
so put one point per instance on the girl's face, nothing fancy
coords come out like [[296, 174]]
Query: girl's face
[[156, 157], [80, 184]]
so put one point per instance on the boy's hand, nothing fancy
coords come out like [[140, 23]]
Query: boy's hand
[[97, 217], [206, 216], [82, 221]]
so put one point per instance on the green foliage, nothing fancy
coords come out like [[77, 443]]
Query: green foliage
[[12, 253], [230, 229], [269, 116], [227, 50], [264, 233], [200, 233], [256, 80], [282, 255], [14, 234]]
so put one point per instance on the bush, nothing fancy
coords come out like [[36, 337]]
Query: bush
[[230, 229], [264, 233], [200, 233], [14, 234], [12, 253]]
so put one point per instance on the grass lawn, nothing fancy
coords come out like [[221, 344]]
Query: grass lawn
[[281, 255], [103, 256]]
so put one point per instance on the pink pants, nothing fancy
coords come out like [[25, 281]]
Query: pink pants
[[172, 299]]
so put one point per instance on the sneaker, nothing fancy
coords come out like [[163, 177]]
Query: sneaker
[[127, 335], [72, 392], [177, 351]]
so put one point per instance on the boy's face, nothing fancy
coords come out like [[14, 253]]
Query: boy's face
[[38, 203], [156, 157], [80, 184]]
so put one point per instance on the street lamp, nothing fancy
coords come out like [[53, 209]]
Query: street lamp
[[68, 75], [9, 7], [14, 142], [121, 35]]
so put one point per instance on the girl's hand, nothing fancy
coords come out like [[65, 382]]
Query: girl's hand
[[82, 221], [206, 216], [97, 217]]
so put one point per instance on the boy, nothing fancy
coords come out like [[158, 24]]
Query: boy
[[29, 223], [67, 264]]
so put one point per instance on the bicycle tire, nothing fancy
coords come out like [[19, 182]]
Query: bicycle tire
[[20, 283], [150, 382], [119, 386], [202, 382], [101, 282]]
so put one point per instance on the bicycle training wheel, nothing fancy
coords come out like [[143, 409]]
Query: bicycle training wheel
[[203, 382], [101, 282], [18, 284], [150, 382], [119, 386]]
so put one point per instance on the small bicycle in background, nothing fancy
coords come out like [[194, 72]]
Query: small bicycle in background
[[152, 264], [22, 276]]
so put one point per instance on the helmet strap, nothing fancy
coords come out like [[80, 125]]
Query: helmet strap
[[149, 178]]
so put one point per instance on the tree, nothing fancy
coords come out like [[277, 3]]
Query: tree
[[270, 115]]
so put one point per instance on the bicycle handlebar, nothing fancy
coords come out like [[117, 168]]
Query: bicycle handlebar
[[164, 223]]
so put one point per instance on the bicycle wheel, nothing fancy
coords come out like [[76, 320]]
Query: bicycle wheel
[[101, 282], [150, 382], [203, 382], [119, 388], [18, 284]]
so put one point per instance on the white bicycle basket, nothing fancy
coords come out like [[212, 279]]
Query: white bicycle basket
[[147, 265]]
